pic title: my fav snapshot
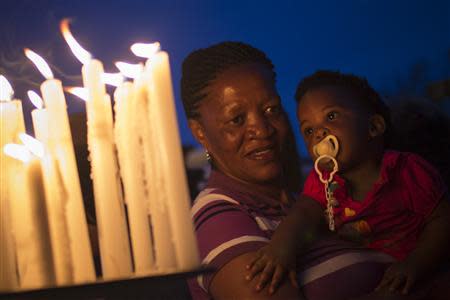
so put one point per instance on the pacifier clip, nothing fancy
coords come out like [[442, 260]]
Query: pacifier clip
[[331, 200], [327, 149]]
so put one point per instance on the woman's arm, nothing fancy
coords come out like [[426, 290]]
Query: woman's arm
[[230, 283], [304, 225]]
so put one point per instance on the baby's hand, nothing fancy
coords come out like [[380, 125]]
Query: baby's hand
[[273, 263], [356, 231], [349, 232], [400, 276]]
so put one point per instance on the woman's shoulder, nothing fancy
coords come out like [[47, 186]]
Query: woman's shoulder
[[212, 196]]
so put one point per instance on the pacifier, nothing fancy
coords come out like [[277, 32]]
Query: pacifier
[[326, 150], [328, 146]]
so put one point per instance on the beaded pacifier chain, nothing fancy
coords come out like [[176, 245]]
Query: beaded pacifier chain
[[327, 150]]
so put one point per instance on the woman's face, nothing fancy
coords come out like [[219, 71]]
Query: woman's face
[[242, 124], [334, 110]]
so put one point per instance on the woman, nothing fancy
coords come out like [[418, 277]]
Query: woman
[[235, 113]]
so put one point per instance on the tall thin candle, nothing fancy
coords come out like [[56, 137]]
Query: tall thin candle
[[55, 196], [162, 106], [112, 228], [126, 130], [29, 216], [11, 125], [155, 182], [60, 146]]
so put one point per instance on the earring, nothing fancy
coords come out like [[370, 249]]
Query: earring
[[208, 156]]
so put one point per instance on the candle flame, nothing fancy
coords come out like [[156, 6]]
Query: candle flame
[[145, 50], [78, 91], [39, 62], [114, 79], [33, 145], [6, 90], [129, 70], [17, 151], [80, 53], [35, 99]]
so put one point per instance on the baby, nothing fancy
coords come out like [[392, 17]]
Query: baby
[[394, 202]]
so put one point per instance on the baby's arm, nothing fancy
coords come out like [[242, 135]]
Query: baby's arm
[[432, 249], [304, 224]]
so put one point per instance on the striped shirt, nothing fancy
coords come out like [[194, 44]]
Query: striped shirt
[[230, 219]]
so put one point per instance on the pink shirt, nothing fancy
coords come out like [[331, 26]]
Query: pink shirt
[[392, 215]]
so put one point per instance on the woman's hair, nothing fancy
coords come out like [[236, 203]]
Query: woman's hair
[[366, 95], [202, 66]]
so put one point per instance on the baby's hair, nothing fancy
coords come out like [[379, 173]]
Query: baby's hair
[[359, 85], [202, 66]]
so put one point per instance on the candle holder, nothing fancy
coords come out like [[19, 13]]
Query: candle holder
[[163, 286]]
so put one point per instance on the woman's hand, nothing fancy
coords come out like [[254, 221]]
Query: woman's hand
[[400, 276], [273, 262]]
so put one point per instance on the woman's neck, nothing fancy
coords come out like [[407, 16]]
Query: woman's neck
[[274, 189]]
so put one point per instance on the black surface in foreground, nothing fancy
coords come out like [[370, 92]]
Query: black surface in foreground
[[167, 286]]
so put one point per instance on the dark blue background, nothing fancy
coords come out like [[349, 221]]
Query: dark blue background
[[379, 39]]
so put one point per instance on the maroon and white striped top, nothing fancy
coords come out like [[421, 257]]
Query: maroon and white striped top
[[230, 219]]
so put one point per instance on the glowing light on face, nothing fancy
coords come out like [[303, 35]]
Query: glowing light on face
[[40, 63]]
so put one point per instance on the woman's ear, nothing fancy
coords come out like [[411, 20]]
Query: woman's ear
[[197, 131], [377, 126]]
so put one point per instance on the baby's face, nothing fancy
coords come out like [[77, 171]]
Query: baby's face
[[335, 110]]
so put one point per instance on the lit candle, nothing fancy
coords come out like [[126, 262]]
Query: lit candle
[[60, 146], [155, 182], [39, 117], [11, 124], [176, 194], [115, 251], [130, 161], [56, 196], [29, 220]]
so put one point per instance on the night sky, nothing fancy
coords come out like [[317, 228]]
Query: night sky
[[378, 39]]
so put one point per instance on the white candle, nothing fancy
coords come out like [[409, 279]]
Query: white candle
[[39, 118], [60, 146], [155, 180], [11, 124], [163, 114], [56, 202], [112, 228], [30, 227], [126, 133]]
